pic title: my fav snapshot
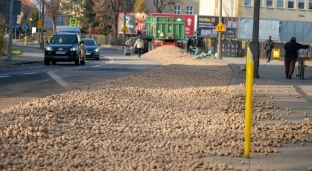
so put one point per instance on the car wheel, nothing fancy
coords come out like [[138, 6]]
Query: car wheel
[[46, 62], [77, 61], [53, 62]]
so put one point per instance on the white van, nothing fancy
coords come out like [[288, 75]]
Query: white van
[[68, 29]]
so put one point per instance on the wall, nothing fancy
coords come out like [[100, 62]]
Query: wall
[[277, 13], [210, 7], [183, 4]]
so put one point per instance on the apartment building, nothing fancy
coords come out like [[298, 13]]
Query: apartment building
[[291, 10], [182, 7]]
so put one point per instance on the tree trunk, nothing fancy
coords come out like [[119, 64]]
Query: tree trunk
[[53, 24]]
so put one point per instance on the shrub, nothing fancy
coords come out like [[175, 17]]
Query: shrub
[[3, 44]]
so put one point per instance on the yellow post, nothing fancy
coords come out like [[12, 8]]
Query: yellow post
[[25, 40], [248, 102]]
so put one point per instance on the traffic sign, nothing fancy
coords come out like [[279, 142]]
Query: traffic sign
[[39, 25], [73, 22], [16, 26], [26, 26], [220, 27], [125, 29], [189, 22]]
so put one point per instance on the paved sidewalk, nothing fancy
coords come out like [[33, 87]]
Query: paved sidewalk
[[295, 94]]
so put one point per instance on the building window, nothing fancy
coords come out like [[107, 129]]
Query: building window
[[291, 4], [189, 10], [177, 9], [269, 3], [247, 3], [310, 4], [280, 3], [261, 5], [301, 4]]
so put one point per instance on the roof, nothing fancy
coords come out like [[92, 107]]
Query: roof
[[27, 7]]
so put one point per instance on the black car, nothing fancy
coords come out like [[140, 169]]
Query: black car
[[64, 47], [92, 48]]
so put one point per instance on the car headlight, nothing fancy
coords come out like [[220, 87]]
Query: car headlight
[[73, 49], [96, 50], [49, 48]]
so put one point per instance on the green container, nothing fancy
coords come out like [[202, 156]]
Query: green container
[[165, 28]]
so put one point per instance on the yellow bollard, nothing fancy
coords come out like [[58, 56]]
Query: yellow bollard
[[248, 103], [25, 40]]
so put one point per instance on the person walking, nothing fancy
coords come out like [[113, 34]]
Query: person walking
[[189, 45], [127, 46], [139, 44], [290, 58], [268, 46], [198, 46]]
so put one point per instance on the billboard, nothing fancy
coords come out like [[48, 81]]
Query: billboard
[[134, 22], [301, 30], [206, 26], [266, 28], [189, 21]]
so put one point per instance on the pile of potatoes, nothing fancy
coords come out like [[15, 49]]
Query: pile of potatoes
[[166, 119]]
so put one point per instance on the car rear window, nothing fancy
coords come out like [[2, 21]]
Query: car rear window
[[89, 42], [64, 39]]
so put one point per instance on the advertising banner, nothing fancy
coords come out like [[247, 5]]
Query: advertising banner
[[207, 24], [134, 22], [189, 21]]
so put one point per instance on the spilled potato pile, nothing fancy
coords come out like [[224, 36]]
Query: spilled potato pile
[[165, 119]]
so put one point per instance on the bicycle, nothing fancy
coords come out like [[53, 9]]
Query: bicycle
[[301, 66]]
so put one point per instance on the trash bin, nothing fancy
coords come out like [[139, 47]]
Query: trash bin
[[276, 53]]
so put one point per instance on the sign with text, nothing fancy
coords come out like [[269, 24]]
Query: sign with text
[[189, 21], [206, 26]]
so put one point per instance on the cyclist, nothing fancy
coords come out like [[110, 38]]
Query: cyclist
[[290, 58]]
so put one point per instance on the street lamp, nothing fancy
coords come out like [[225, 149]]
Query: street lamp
[[30, 25]]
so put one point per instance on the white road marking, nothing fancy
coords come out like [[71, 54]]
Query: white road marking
[[30, 73], [59, 80], [4, 76]]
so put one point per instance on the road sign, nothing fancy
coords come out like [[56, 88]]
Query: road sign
[[39, 24], [73, 22], [16, 26], [189, 22], [220, 27], [26, 26], [124, 29]]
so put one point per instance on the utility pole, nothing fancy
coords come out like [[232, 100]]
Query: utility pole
[[42, 20], [9, 57], [254, 44], [124, 33], [219, 51]]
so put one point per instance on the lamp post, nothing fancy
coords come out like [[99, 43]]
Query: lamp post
[[30, 25], [124, 33]]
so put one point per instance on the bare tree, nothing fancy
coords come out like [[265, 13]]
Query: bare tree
[[160, 5], [52, 10], [3, 24]]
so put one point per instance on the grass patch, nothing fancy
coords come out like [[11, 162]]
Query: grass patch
[[15, 51]]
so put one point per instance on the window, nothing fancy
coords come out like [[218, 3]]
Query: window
[[189, 10], [269, 3], [247, 3], [177, 9], [310, 4], [291, 4], [301, 4], [280, 3], [261, 5]]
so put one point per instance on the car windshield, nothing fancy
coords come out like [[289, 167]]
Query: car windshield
[[89, 42], [64, 39]]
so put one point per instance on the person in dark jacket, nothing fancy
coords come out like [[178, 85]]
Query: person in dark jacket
[[189, 43], [290, 58], [268, 47], [198, 45]]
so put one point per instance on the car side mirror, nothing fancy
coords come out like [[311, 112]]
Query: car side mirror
[[99, 45]]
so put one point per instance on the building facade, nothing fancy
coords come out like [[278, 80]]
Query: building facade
[[181, 7], [211, 8]]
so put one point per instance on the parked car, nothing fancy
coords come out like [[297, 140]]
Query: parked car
[[64, 47], [92, 48]]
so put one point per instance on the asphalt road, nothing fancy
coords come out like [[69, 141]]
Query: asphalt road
[[26, 82]]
